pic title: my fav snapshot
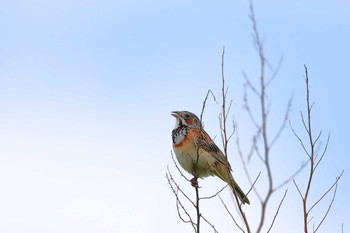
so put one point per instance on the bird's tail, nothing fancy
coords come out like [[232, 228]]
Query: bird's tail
[[238, 191], [223, 173]]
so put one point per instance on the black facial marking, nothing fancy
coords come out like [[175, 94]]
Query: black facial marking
[[182, 129]]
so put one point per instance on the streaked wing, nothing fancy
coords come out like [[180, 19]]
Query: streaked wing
[[207, 144]]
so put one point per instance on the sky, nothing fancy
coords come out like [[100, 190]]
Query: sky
[[87, 88]]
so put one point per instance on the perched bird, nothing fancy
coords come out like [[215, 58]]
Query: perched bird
[[197, 153]]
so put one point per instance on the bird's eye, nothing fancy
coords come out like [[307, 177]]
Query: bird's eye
[[187, 116]]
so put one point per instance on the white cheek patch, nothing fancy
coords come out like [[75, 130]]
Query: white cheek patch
[[177, 123]]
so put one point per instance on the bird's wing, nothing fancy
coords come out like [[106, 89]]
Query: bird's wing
[[205, 142]]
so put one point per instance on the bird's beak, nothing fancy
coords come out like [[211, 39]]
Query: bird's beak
[[176, 114]]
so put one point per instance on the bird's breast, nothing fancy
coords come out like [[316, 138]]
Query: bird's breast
[[179, 135]]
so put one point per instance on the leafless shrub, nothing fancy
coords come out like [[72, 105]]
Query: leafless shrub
[[262, 142], [314, 160]]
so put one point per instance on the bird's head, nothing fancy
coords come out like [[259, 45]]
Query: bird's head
[[185, 118]]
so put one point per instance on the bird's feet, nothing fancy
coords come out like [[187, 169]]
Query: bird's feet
[[194, 182]]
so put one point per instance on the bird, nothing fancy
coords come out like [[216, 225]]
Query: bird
[[198, 154]]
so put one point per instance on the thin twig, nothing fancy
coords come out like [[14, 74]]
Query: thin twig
[[250, 85], [214, 195], [178, 186], [225, 138], [177, 167], [264, 113], [275, 71], [300, 194], [178, 201], [285, 119], [209, 223], [204, 103], [314, 161], [300, 140], [323, 153], [311, 154], [197, 208], [253, 184], [277, 211], [330, 204], [195, 176], [245, 168], [229, 212], [326, 192], [286, 181]]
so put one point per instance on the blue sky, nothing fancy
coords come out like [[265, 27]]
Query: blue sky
[[87, 87]]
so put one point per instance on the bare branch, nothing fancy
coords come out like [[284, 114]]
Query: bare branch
[[277, 211], [250, 85], [225, 138], [303, 165], [300, 140], [253, 184], [197, 206], [255, 147], [245, 165], [301, 195], [260, 147], [314, 162], [331, 203], [209, 223], [229, 212], [317, 138], [177, 167], [312, 218], [275, 71], [326, 192], [205, 101], [214, 195], [283, 125], [178, 201], [323, 153], [178, 187]]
